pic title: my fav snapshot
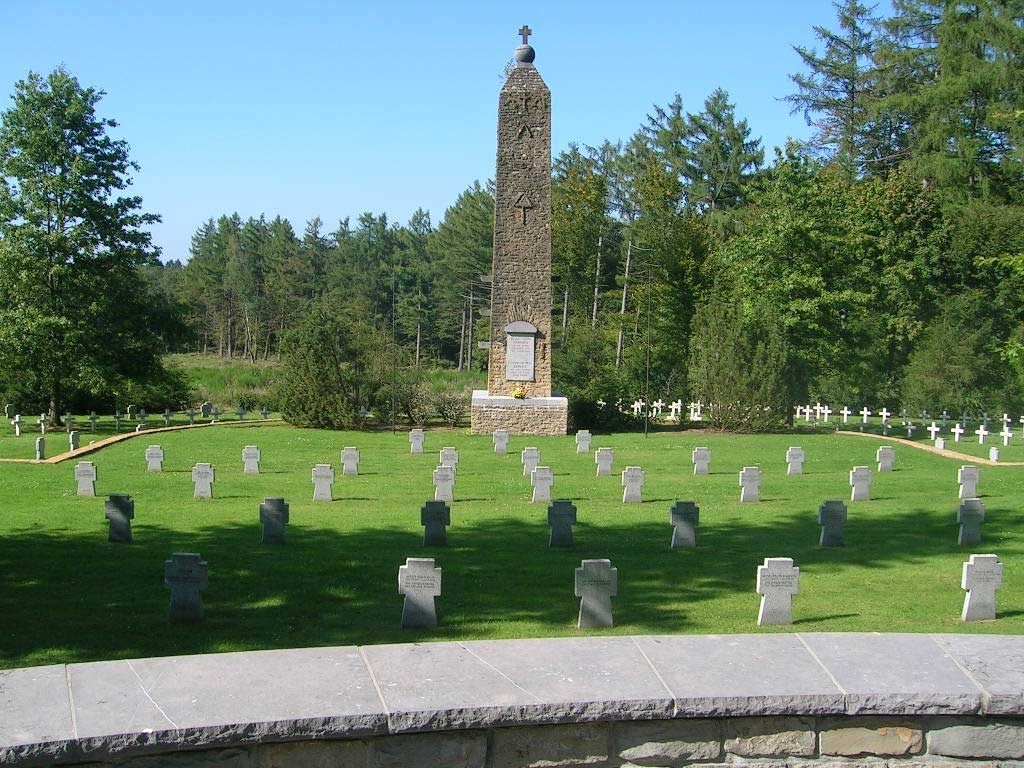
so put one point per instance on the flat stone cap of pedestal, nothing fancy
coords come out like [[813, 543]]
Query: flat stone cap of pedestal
[[481, 397], [105, 710]]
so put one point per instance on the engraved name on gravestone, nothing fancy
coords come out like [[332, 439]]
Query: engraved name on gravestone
[[420, 582], [982, 576], [444, 484], [350, 461], [860, 481], [795, 461], [186, 574], [154, 459], [967, 476], [970, 515], [632, 485], [885, 456], [561, 519], [701, 461], [542, 478], [202, 476], [449, 457], [273, 519], [604, 457], [85, 475], [119, 509], [416, 438], [583, 440], [750, 484], [777, 582], [500, 439], [831, 518], [435, 517], [684, 517], [531, 459], [251, 460], [596, 584], [323, 479]]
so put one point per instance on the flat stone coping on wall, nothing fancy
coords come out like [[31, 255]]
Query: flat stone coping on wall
[[481, 397], [101, 710]]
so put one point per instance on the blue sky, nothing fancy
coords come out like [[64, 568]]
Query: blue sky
[[330, 109]]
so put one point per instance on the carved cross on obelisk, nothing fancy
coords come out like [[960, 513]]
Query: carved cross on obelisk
[[525, 31]]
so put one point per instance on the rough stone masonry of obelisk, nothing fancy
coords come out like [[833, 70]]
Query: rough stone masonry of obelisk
[[518, 396]]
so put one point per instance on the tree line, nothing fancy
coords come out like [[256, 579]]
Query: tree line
[[881, 261]]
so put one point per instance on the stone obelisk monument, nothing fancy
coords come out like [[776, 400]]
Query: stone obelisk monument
[[518, 396]]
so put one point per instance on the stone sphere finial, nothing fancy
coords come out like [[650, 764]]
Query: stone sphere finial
[[525, 53]]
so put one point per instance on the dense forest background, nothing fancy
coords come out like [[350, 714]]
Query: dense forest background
[[881, 262]]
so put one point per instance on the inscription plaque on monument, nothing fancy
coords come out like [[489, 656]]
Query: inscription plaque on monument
[[519, 351]]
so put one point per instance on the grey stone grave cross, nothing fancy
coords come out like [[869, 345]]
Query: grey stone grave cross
[[632, 485], [444, 483], [69, 422], [167, 417], [970, 515], [350, 461], [16, 423], [982, 433], [191, 413], [117, 421], [416, 438], [74, 440], [264, 413], [419, 582], [85, 476], [525, 31], [967, 476], [957, 431], [795, 461], [993, 453], [41, 423], [154, 459], [684, 517], [531, 459], [241, 413], [542, 478], [964, 417], [777, 581], [273, 519], [251, 460], [886, 426], [203, 476], [1006, 434], [1006, 420], [500, 440], [910, 430], [435, 517], [846, 414], [985, 418], [831, 518], [449, 457], [40, 448], [945, 419], [905, 416], [860, 481], [142, 417], [701, 461], [596, 584], [982, 576], [214, 414], [119, 509], [92, 421], [583, 440], [750, 484], [561, 519], [133, 411], [604, 457], [925, 415], [885, 456], [186, 573], [323, 479]]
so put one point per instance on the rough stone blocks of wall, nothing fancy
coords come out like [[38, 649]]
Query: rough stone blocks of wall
[[849, 737], [770, 736], [977, 738], [535, 416], [552, 745], [668, 743], [314, 754], [234, 757], [452, 749]]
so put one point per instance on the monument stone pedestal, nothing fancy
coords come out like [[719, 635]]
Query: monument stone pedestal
[[527, 416]]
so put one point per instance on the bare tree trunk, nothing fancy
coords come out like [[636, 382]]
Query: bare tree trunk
[[597, 283], [565, 309], [622, 313], [462, 339]]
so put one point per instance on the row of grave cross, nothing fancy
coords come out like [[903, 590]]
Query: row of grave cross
[[139, 415]]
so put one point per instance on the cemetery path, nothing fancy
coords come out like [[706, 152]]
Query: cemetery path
[[97, 445], [932, 449]]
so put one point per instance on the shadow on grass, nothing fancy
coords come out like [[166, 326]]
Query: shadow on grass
[[75, 597]]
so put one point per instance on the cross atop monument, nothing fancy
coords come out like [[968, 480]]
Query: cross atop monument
[[525, 31]]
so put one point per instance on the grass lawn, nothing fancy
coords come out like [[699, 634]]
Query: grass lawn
[[66, 594]]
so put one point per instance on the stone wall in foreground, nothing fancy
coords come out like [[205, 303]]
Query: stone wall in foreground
[[771, 700]]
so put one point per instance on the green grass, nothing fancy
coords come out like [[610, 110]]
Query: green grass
[[68, 595], [225, 382]]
